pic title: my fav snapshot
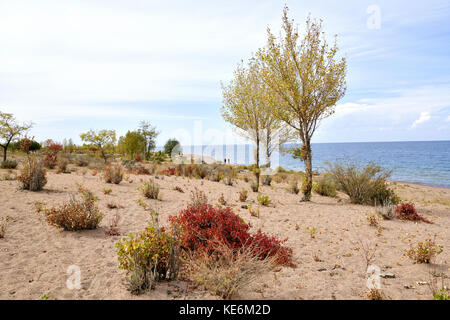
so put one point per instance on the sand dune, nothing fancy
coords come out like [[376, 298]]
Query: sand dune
[[34, 257]]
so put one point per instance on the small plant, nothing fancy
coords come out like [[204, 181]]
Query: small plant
[[198, 198], [243, 195], [81, 162], [113, 205], [293, 187], [325, 187], [63, 164], [375, 294], [264, 200], [113, 226], [179, 189], [113, 173], [9, 164], [253, 212], [38, 206], [225, 275], [107, 191], [367, 252], [150, 257], [407, 211], [150, 189], [254, 186], [312, 231], [222, 200], [424, 251], [76, 214], [3, 225], [386, 210], [33, 175], [372, 219]]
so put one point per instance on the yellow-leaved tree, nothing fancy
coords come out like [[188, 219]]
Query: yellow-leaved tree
[[307, 77], [10, 129], [103, 140], [248, 106]]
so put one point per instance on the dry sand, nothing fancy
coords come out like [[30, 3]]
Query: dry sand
[[34, 256]]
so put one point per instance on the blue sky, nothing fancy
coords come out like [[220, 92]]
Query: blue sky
[[71, 66]]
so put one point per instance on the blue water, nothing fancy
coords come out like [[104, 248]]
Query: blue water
[[425, 162]]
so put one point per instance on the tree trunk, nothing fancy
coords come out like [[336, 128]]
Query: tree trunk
[[307, 183], [268, 143], [104, 156], [4, 152], [268, 156], [257, 170]]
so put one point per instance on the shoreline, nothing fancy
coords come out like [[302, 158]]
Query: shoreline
[[211, 160]]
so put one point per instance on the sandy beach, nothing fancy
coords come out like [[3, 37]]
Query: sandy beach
[[35, 257]]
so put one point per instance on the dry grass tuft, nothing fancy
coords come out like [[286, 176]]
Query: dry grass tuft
[[226, 275]]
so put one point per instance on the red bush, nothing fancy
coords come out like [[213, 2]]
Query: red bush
[[55, 147], [203, 226], [50, 161], [269, 245], [169, 171], [407, 211]]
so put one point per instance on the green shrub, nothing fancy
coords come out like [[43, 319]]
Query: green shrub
[[9, 164], [150, 257], [363, 184], [264, 200], [150, 189], [325, 187], [424, 251]]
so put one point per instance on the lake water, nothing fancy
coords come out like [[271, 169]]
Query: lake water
[[425, 163]]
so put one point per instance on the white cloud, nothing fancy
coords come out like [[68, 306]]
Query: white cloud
[[424, 117], [448, 119]]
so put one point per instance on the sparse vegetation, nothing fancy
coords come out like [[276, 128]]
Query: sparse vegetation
[[226, 274], [293, 187], [113, 227], [243, 194], [325, 187], [76, 214], [113, 173], [198, 198], [407, 211], [424, 251], [363, 184], [150, 189], [264, 200], [33, 175], [9, 164], [3, 225], [149, 257]]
